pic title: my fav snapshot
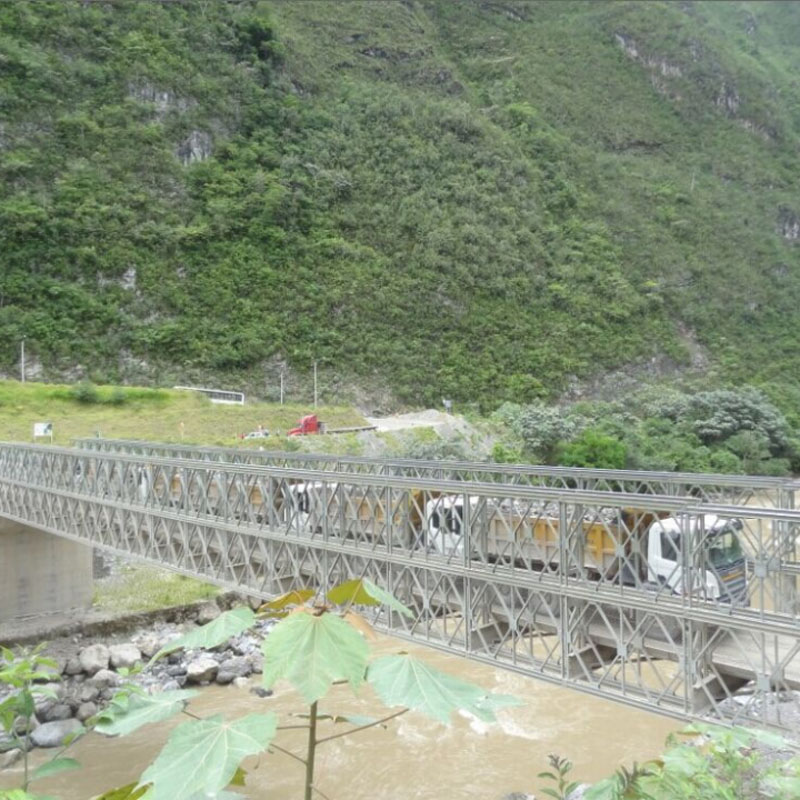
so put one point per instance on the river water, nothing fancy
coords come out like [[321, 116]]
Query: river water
[[414, 757]]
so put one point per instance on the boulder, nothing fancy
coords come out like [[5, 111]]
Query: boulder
[[242, 645], [240, 683], [207, 612], [88, 693], [104, 679], [10, 757], [171, 686], [73, 666], [174, 670], [58, 712], [124, 656], [260, 691], [24, 725], [85, 711], [94, 658], [46, 696], [8, 742], [236, 667], [149, 644], [203, 669], [52, 734], [256, 663]]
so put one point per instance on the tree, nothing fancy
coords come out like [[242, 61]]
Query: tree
[[594, 449]]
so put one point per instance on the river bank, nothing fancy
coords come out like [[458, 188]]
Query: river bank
[[96, 653]]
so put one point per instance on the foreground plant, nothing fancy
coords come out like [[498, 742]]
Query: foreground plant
[[717, 764], [317, 642], [22, 674]]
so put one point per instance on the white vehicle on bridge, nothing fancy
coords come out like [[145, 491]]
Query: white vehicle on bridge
[[631, 547]]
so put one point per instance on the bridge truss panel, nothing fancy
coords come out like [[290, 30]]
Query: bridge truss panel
[[712, 488], [553, 583]]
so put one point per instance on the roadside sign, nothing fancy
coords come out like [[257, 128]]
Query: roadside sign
[[41, 429]]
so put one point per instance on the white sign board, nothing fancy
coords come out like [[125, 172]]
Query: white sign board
[[42, 429]]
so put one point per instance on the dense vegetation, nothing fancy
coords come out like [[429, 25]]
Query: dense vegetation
[[484, 200], [704, 431]]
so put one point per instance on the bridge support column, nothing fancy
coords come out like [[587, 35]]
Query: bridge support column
[[41, 573]]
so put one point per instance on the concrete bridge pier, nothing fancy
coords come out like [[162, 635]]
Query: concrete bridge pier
[[41, 573]]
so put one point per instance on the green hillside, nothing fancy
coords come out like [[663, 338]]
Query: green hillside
[[468, 198]]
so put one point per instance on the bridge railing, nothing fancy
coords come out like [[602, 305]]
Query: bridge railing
[[761, 490], [557, 583]]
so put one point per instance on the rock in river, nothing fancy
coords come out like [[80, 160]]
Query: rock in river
[[52, 734]]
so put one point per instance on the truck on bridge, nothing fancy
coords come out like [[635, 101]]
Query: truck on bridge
[[628, 547]]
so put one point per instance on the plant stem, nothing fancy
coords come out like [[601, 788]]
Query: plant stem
[[286, 752], [27, 744], [312, 747], [363, 727]]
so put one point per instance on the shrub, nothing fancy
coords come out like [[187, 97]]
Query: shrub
[[594, 449], [85, 392], [118, 396]]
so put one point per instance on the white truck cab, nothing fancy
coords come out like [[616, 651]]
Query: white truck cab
[[719, 574]]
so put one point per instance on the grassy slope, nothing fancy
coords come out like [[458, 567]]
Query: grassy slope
[[477, 199], [148, 414]]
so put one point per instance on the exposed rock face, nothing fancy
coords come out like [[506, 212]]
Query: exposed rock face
[[52, 734], [162, 100], [728, 99], [94, 658], [196, 147], [788, 224]]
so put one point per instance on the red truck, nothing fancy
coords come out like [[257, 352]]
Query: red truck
[[312, 424]]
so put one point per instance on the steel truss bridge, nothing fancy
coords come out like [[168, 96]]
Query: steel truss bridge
[[731, 489], [278, 523]]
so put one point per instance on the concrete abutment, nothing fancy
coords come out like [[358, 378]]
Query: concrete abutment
[[41, 573]]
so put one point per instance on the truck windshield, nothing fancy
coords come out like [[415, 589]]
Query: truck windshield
[[724, 548]]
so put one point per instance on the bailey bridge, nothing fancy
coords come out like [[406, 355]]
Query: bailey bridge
[[518, 590]]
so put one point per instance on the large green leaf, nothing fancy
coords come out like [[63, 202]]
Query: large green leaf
[[202, 756], [54, 767], [607, 789], [403, 680], [141, 709], [230, 623], [365, 593], [311, 651], [131, 791], [279, 607]]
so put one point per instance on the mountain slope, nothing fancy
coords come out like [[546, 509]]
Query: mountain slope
[[475, 199]]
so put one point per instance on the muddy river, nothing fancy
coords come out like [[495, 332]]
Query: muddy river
[[414, 757]]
